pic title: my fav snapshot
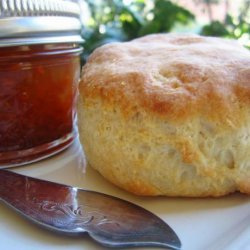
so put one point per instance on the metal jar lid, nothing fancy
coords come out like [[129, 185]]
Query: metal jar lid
[[39, 22]]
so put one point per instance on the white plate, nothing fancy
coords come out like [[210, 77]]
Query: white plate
[[201, 224]]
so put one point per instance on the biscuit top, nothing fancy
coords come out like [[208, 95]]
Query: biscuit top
[[178, 77]]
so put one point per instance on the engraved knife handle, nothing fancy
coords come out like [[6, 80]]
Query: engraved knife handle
[[108, 220]]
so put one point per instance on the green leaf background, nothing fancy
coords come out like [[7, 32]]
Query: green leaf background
[[115, 20]]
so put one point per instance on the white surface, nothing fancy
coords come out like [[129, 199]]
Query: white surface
[[201, 224]]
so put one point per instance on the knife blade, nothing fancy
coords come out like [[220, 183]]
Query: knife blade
[[108, 220]]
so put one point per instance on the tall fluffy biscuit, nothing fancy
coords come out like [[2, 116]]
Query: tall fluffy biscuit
[[168, 115]]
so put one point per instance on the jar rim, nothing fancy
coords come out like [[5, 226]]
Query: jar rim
[[39, 21]]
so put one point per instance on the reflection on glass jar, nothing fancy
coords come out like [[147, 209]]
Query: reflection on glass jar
[[38, 85]]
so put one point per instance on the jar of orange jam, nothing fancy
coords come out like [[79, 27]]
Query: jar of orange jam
[[39, 72]]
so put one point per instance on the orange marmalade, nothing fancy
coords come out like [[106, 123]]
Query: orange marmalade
[[38, 85]]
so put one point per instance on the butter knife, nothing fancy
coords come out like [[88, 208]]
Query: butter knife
[[110, 221]]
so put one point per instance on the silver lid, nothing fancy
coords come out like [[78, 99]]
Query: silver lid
[[39, 22]]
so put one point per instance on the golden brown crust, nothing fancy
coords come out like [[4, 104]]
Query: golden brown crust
[[185, 92], [171, 76]]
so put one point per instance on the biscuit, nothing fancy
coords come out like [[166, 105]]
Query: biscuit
[[169, 115]]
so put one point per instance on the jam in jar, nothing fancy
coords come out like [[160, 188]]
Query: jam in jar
[[38, 85]]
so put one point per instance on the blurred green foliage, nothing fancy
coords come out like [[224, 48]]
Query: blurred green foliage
[[114, 20], [236, 27], [122, 20]]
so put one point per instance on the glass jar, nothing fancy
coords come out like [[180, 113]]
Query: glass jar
[[39, 73]]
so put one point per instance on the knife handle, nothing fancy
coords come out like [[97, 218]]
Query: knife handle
[[108, 220], [46, 203]]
